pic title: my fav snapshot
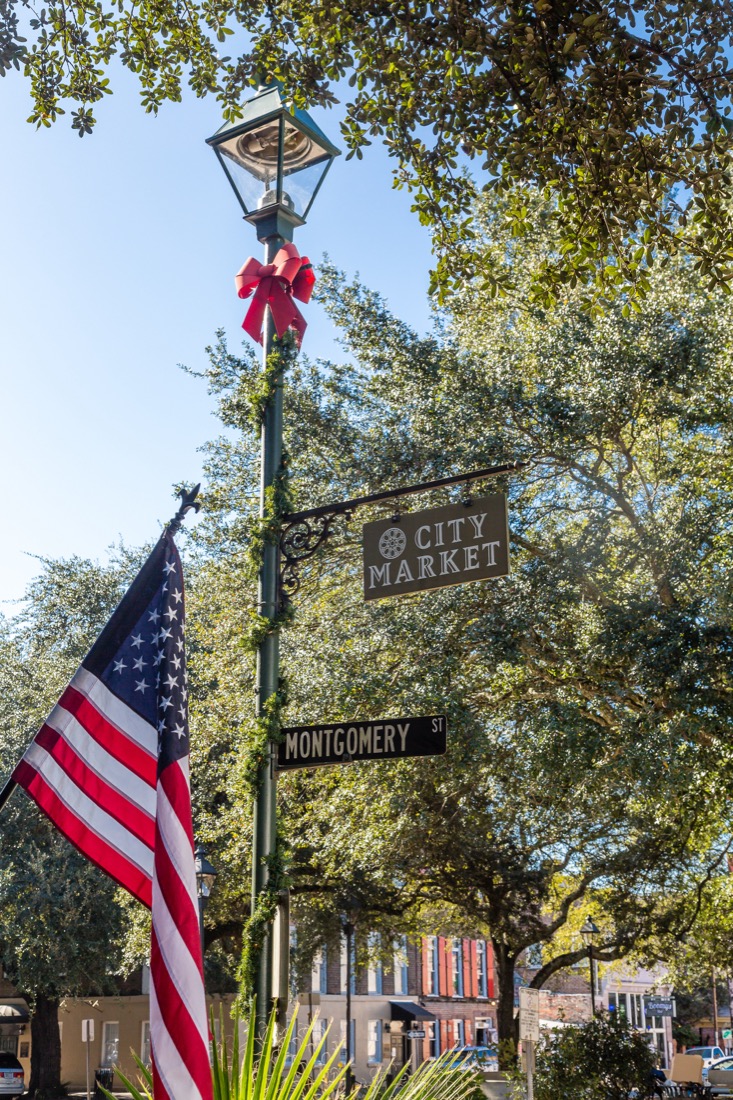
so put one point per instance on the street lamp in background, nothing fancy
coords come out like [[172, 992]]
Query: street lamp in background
[[275, 158], [348, 927], [205, 875], [589, 931]]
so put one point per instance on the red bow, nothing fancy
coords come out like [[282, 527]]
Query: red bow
[[275, 285]]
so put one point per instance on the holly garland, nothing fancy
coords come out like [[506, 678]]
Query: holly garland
[[264, 730]]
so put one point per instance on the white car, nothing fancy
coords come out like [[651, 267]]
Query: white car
[[12, 1082], [720, 1076], [708, 1055]]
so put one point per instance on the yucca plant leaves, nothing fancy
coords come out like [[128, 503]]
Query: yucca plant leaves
[[265, 1074]]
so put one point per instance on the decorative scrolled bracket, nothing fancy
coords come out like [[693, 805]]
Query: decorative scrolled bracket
[[300, 540], [303, 533]]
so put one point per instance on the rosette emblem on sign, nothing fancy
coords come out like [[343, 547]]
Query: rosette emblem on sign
[[392, 543]]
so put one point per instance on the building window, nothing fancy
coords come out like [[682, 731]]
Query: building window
[[400, 965], [374, 969], [483, 968], [433, 974], [292, 1046], [145, 1043], [110, 1043], [459, 1033], [630, 1007], [374, 1042], [482, 1029], [319, 973], [457, 953], [319, 1031], [433, 1031]]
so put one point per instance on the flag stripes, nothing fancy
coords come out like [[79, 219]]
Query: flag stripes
[[107, 817], [109, 767], [176, 970]]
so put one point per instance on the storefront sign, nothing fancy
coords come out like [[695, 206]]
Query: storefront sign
[[373, 739], [658, 1006], [415, 1034], [437, 547]]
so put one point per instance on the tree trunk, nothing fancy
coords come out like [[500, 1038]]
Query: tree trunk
[[45, 1048], [506, 1023]]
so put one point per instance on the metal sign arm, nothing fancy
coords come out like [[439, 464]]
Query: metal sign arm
[[303, 533]]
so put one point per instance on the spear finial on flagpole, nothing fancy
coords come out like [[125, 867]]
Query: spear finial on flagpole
[[188, 501]]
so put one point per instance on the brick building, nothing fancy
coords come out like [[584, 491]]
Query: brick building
[[428, 997]]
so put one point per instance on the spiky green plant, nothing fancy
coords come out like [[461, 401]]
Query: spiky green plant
[[265, 1075]]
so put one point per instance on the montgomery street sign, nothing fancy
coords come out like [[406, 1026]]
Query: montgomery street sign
[[658, 1006], [374, 739], [436, 547]]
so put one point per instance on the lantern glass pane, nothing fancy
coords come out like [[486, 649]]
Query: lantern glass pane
[[299, 186], [249, 188]]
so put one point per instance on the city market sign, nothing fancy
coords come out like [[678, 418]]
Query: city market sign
[[347, 742], [437, 547], [658, 1006]]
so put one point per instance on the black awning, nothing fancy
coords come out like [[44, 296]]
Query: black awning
[[409, 1010], [11, 1013]]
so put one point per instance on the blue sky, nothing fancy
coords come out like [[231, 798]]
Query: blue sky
[[118, 258]]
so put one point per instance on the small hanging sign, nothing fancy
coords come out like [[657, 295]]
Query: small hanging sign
[[437, 547]]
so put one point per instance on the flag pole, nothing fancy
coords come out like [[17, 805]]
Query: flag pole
[[188, 501]]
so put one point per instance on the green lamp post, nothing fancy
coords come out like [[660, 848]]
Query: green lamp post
[[589, 932], [205, 876], [276, 159]]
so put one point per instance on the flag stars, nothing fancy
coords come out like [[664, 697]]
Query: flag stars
[[139, 664], [136, 641], [158, 657], [171, 681], [171, 613], [170, 567], [119, 665], [141, 685], [154, 616], [179, 644], [180, 730], [176, 662], [177, 595], [166, 702], [165, 634]]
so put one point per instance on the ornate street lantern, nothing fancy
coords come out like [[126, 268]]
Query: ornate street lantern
[[205, 872], [276, 160]]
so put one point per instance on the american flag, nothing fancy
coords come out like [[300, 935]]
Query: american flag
[[110, 769]]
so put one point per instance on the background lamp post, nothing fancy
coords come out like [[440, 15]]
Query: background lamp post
[[205, 875], [275, 159], [348, 928], [589, 931]]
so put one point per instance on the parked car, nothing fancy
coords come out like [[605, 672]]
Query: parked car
[[12, 1082], [473, 1058], [708, 1055], [720, 1077]]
